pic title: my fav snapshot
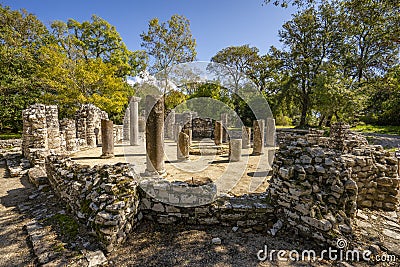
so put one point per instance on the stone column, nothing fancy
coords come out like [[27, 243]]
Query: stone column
[[246, 134], [91, 126], [182, 151], [258, 137], [155, 135], [187, 118], [142, 124], [53, 128], [68, 127], [235, 150], [270, 132], [189, 133], [107, 139], [134, 121], [170, 124], [178, 129], [218, 133], [127, 128], [224, 121]]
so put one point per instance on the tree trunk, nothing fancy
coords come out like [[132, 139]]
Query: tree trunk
[[329, 120], [304, 110], [321, 121]]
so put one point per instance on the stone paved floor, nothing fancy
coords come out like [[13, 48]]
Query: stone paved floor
[[14, 250], [250, 175]]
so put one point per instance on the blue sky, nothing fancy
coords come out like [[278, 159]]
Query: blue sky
[[215, 24]]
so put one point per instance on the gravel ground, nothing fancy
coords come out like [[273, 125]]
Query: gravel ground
[[179, 245], [14, 250]]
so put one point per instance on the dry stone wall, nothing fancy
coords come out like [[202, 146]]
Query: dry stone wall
[[319, 182], [105, 198], [40, 134], [375, 172], [10, 143], [249, 212], [314, 191]]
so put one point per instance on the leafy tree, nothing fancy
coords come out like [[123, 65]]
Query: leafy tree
[[309, 39], [239, 60], [383, 107], [169, 43], [97, 39], [70, 83], [372, 37], [21, 36]]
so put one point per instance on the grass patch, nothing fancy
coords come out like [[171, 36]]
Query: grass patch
[[395, 130], [65, 224], [5, 136], [285, 126]]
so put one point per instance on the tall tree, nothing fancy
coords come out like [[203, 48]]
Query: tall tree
[[309, 39], [21, 36], [97, 39], [372, 37], [169, 43]]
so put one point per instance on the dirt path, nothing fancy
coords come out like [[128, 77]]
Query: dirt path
[[14, 250]]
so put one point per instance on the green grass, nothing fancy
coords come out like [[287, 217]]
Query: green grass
[[395, 130], [5, 136], [284, 126]]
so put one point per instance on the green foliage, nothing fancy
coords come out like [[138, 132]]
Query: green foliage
[[334, 56], [10, 136], [97, 39], [21, 36], [365, 128], [383, 106], [76, 63], [174, 98], [169, 43]]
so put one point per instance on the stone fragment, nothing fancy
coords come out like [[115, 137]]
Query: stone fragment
[[216, 241]]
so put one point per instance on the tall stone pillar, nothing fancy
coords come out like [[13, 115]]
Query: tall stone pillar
[[218, 133], [170, 124], [189, 133], [134, 121], [235, 150], [182, 151], [187, 119], [107, 139], [142, 124], [178, 129], [270, 132], [224, 121], [126, 122], [155, 135], [53, 127], [258, 137], [246, 134]]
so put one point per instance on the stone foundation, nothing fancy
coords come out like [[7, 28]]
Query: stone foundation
[[104, 198]]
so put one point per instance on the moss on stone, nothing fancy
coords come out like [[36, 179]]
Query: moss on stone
[[65, 224]]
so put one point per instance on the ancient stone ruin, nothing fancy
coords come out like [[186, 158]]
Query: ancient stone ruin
[[317, 182]]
